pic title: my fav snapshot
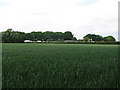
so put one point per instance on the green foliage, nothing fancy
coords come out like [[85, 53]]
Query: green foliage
[[67, 35], [74, 38], [59, 66], [34, 36], [109, 38], [49, 36], [10, 36], [93, 37], [86, 38]]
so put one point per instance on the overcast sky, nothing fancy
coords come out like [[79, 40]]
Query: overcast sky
[[78, 16]]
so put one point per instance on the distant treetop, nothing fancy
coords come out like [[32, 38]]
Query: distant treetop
[[10, 36]]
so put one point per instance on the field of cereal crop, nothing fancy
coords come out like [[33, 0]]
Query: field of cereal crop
[[59, 66]]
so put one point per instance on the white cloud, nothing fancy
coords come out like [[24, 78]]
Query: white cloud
[[87, 2], [99, 16]]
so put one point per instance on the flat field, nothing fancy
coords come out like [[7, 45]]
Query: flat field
[[59, 66]]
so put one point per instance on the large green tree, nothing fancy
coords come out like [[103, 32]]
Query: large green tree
[[6, 36], [11, 36], [93, 37], [109, 38], [67, 35]]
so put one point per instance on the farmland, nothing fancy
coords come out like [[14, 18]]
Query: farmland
[[34, 65]]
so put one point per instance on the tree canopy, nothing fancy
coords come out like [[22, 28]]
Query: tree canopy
[[94, 37], [109, 38], [67, 35], [10, 36]]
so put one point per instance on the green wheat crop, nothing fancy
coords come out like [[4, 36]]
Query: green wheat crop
[[59, 66]]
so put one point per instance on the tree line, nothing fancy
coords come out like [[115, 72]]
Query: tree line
[[10, 36], [94, 37]]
